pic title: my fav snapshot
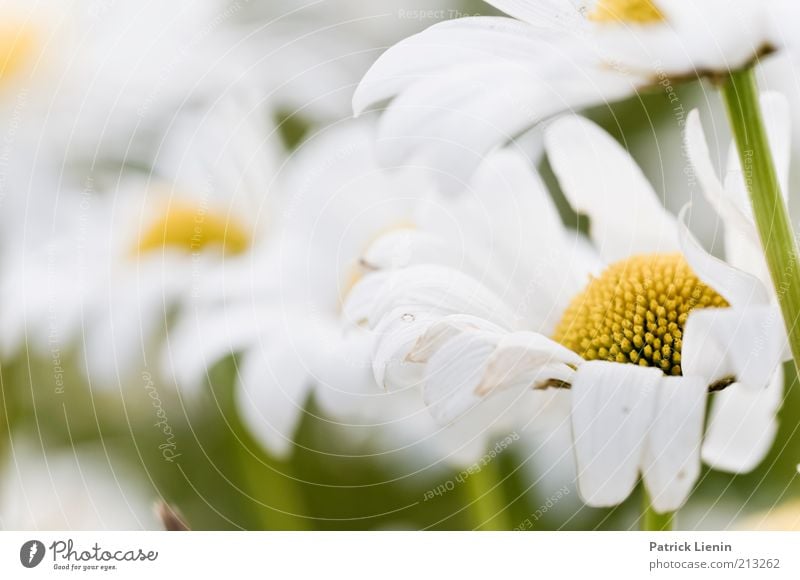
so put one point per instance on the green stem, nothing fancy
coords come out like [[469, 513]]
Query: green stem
[[652, 521], [740, 94], [487, 504]]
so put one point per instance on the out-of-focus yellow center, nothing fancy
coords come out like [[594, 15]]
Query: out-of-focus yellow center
[[18, 43], [193, 228], [626, 11], [635, 311]]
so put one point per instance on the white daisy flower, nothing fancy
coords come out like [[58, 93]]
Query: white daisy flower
[[468, 85], [75, 489], [90, 87], [115, 264], [639, 341], [283, 315]]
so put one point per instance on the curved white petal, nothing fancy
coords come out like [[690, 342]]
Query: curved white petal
[[446, 44], [778, 124], [562, 14], [742, 426], [600, 179], [360, 301], [396, 335], [612, 407], [739, 288], [454, 372], [671, 463], [744, 344], [438, 124], [746, 252], [432, 289], [445, 329], [517, 243], [403, 247], [200, 339], [271, 393], [726, 205], [521, 358]]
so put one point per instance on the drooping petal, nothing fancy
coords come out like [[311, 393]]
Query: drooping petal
[[201, 338], [739, 288], [742, 426], [746, 345], [521, 358], [395, 337], [601, 180], [445, 329], [454, 372], [271, 393], [612, 408], [671, 463], [433, 289], [445, 44]]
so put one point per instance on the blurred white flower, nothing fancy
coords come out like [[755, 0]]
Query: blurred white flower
[[74, 489], [638, 342], [282, 313], [116, 264], [466, 86], [312, 53]]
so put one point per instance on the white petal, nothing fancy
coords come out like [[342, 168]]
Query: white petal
[[522, 357], [396, 335], [612, 407], [403, 247], [438, 124], [200, 339], [454, 372], [444, 45], [556, 13], [746, 344], [600, 179], [778, 124], [742, 426], [728, 208], [360, 300], [271, 393], [445, 329], [506, 212], [739, 288], [671, 463], [429, 289]]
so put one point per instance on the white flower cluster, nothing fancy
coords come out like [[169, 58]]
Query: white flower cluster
[[183, 182]]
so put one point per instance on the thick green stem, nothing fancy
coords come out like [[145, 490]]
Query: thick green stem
[[652, 521], [769, 208], [487, 506]]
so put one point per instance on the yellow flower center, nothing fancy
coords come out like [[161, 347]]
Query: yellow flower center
[[626, 11], [193, 228], [18, 44], [635, 311]]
